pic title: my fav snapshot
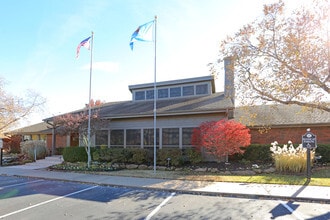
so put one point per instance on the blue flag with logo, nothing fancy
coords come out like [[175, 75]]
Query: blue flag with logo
[[143, 33]]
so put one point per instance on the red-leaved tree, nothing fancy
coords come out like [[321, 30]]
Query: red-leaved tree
[[221, 138]]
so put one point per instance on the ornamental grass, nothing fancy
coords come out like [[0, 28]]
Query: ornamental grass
[[290, 159]]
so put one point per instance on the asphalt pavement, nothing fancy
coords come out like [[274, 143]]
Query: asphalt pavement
[[241, 190]]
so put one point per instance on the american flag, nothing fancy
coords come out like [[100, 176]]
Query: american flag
[[85, 43]]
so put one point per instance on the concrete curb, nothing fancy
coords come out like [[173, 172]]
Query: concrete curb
[[195, 192]]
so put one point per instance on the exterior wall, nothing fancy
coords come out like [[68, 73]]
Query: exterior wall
[[39, 137], [294, 134], [61, 141], [164, 122]]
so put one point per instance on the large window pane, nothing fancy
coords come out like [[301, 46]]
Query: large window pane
[[117, 137], [188, 90], [133, 137], [201, 89], [186, 136], [163, 93], [148, 137], [150, 94], [140, 95], [170, 136], [175, 92], [101, 138]]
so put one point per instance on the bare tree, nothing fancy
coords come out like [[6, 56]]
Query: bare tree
[[77, 124], [283, 57], [71, 123], [13, 109]]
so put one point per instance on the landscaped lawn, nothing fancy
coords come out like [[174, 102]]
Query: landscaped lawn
[[320, 176]]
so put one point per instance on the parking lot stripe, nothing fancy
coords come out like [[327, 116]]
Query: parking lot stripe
[[19, 184], [293, 212], [45, 202], [159, 207]]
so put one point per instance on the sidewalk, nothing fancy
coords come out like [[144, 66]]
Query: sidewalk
[[243, 190]]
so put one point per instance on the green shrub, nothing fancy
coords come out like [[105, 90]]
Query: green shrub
[[192, 155], [257, 153], [103, 146], [34, 148], [324, 151], [75, 154], [126, 155], [59, 150], [101, 155], [112, 155], [140, 156], [150, 155], [175, 155]]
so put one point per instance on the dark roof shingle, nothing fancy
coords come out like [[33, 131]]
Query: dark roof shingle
[[280, 115], [203, 104]]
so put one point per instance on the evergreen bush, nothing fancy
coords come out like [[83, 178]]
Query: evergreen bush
[[192, 156], [257, 153], [75, 154], [323, 150], [174, 154]]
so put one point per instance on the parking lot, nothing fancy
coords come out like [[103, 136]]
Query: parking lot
[[35, 198]]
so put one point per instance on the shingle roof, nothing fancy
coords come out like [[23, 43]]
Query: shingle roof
[[280, 115], [192, 105], [40, 128]]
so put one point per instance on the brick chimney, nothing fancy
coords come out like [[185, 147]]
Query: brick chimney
[[229, 79]]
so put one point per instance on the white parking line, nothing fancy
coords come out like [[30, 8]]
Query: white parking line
[[48, 201], [293, 212], [158, 207], [19, 184]]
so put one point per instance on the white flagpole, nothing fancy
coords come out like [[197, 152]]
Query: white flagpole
[[89, 106], [155, 98]]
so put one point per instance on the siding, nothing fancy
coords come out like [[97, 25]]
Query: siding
[[163, 122]]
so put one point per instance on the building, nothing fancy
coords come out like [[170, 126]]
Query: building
[[181, 106], [283, 123], [33, 132]]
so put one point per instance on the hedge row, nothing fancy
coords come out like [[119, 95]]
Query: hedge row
[[165, 156], [174, 156], [254, 153]]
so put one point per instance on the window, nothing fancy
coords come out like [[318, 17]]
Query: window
[[133, 137], [117, 137], [101, 138], [175, 92], [150, 94], [148, 137], [186, 136], [140, 95], [162, 93], [188, 90], [201, 89], [170, 136], [27, 137]]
